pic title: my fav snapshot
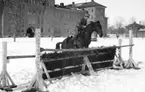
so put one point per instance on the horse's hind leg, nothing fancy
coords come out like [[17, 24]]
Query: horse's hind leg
[[58, 45]]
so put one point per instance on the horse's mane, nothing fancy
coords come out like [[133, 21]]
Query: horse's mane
[[91, 24]]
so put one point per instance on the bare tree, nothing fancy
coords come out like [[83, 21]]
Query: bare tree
[[119, 22], [119, 25], [142, 22], [38, 8], [16, 14], [3, 4], [132, 20], [17, 6], [111, 30], [17, 9]]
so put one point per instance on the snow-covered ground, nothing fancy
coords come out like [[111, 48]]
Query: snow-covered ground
[[22, 70]]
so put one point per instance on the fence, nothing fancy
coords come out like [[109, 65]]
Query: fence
[[38, 81]]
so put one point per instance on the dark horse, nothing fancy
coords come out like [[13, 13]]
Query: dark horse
[[82, 39]]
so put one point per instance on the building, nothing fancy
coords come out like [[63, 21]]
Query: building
[[138, 29], [60, 21], [141, 32], [96, 11], [56, 20]]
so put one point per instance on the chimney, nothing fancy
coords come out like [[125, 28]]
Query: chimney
[[92, 0], [73, 5], [61, 4]]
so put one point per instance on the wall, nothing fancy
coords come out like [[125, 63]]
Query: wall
[[57, 21], [91, 11], [100, 15], [61, 21], [141, 34], [14, 20], [9, 23]]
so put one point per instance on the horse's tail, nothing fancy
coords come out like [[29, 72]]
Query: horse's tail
[[58, 45]]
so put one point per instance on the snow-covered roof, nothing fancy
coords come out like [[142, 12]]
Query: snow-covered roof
[[135, 25], [143, 29], [86, 4]]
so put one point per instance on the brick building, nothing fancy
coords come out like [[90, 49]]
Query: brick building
[[96, 12], [57, 20]]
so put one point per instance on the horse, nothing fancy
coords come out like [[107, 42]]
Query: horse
[[81, 39]]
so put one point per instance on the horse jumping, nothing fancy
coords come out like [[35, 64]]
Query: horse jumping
[[81, 39]]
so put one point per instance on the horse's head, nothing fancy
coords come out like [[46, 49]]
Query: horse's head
[[97, 28]]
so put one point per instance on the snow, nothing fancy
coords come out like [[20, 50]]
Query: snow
[[22, 70]]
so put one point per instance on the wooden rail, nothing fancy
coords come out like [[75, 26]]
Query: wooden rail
[[72, 57], [65, 50], [85, 49], [37, 82], [23, 56]]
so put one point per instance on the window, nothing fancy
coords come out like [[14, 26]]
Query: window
[[101, 11]]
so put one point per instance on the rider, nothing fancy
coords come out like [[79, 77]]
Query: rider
[[83, 23], [80, 28]]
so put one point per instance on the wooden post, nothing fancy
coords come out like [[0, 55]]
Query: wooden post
[[6, 83], [89, 65], [37, 60], [130, 42], [4, 60], [119, 49], [118, 63], [120, 54], [37, 83], [46, 71], [130, 63]]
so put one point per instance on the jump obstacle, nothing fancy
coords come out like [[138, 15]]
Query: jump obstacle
[[6, 83]]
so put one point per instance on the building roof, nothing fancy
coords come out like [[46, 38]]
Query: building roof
[[87, 4], [135, 25], [142, 30]]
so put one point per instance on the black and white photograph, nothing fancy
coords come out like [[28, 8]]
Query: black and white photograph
[[72, 46]]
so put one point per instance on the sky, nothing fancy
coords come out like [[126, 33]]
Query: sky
[[118, 10]]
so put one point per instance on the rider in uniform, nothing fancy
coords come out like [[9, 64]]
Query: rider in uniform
[[83, 23], [80, 28]]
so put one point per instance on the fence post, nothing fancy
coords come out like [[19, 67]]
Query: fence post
[[118, 63], [6, 83], [130, 63], [130, 42], [119, 49], [37, 82], [4, 63], [88, 64]]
